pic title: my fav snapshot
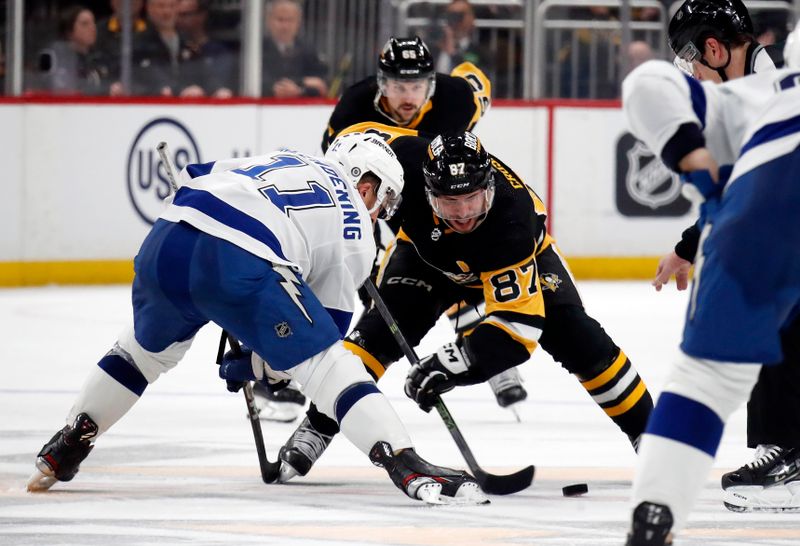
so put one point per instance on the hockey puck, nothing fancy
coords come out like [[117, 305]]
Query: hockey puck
[[575, 489]]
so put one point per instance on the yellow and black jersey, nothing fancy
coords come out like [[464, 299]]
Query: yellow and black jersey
[[497, 259], [458, 102]]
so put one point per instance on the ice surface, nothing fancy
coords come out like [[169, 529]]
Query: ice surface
[[181, 467]]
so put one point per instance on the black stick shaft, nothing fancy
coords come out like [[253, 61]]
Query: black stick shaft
[[269, 470], [491, 483]]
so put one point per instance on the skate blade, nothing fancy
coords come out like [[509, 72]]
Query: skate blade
[[430, 493], [752, 499], [514, 409], [39, 482], [286, 473], [470, 493], [279, 412]]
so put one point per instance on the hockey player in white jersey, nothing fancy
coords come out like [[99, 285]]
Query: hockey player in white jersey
[[737, 145], [272, 249]]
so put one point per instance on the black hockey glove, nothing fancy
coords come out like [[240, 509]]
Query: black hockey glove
[[244, 365], [437, 374]]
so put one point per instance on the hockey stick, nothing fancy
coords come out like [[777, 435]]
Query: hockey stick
[[493, 484], [163, 153], [269, 471]]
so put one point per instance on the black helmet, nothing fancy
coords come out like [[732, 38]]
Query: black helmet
[[458, 165], [405, 59], [696, 20]]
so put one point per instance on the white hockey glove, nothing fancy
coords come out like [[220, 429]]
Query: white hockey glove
[[436, 374], [238, 367]]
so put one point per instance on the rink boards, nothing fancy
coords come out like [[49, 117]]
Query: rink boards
[[83, 182]]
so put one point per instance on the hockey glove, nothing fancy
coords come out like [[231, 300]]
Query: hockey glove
[[700, 187], [245, 365], [437, 374]]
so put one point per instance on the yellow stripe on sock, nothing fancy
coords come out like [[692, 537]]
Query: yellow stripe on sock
[[629, 402], [369, 361], [606, 376]]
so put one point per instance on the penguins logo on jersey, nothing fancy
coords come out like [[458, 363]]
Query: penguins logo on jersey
[[549, 281], [644, 185]]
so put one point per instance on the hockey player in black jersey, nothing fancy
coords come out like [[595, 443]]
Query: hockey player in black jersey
[[407, 92], [720, 33], [470, 229]]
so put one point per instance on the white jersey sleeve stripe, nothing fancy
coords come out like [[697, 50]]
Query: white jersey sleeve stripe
[[222, 212], [698, 97], [773, 131]]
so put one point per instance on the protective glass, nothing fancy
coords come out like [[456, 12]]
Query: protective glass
[[462, 207], [686, 57]]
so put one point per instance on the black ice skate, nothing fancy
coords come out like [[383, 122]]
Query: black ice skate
[[60, 458], [283, 406], [651, 525], [302, 450], [754, 486], [423, 481], [508, 390]]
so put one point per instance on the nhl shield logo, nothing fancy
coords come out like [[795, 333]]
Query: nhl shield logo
[[645, 186], [649, 181], [435, 234], [283, 329]]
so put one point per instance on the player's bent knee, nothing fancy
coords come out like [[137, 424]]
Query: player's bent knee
[[339, 385], [722, 386], [150, 364]]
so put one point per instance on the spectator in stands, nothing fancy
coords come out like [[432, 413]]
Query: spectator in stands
[[459, 39], [70, 65], [158, 53], [110, 28], [291, 68], [207, 62]]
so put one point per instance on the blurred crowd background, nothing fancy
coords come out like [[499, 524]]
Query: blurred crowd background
[[314, 48]]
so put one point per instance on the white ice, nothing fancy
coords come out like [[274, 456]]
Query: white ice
[[181, 467]]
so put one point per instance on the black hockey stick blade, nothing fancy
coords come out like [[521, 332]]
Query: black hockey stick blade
[[270, 471], [493, 484], [507, 484]]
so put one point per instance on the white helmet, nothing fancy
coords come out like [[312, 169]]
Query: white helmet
[[791, 51], [361, 153]]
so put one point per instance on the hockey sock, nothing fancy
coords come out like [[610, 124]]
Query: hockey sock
[[111, 389], [622, 394], [682, 434]]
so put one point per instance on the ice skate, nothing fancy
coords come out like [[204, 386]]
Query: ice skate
[[756, 486], [60, 458], [423, 481], [302, 450], [651, 525], [508, 390], [780, 498], [283, 406]]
